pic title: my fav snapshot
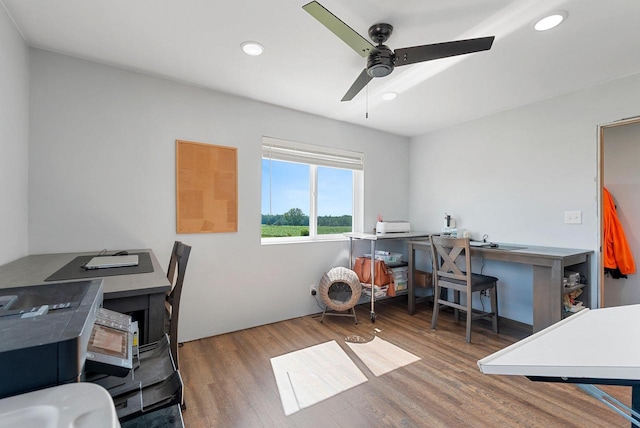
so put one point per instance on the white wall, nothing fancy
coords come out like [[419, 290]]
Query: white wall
[[14, 114], [512, 176], [622, 179], [102, 175], [96, 129]]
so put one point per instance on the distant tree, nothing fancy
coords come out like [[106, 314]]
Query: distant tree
[[328, 220], [269, 219], [295, 217]]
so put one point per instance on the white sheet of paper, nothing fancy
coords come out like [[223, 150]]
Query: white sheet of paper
[[381, 356], [313, 374]]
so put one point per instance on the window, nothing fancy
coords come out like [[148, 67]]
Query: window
[[309, 192]]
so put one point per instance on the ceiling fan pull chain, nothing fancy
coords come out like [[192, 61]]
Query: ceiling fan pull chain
[[366, 115]]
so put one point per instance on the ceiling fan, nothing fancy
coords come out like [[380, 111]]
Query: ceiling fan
[[380, 59]]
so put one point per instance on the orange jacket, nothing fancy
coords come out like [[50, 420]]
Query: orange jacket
[[617, 253]]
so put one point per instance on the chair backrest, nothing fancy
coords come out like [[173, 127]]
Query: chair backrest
[[175, 274], [445, 251]]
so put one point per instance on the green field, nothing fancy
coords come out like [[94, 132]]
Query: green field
[[282, 231]]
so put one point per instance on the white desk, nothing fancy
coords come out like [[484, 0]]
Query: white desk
[[597, 346]]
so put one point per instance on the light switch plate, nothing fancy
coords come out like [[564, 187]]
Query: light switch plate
[[573, 217]]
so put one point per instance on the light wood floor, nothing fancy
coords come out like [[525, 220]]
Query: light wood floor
[[229, 381]]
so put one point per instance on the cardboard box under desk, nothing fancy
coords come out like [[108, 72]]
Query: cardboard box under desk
[[422, 279]]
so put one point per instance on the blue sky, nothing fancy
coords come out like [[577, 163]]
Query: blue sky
[[290, 189]]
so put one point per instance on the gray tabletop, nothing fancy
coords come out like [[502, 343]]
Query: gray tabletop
[[34, 269]]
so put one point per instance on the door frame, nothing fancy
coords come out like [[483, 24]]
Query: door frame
[[600, 186]]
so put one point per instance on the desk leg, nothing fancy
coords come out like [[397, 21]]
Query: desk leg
[[350, 253], [629, 413], [156, 317], [372, 314], [547, 295], [412, 297], [635, 402]]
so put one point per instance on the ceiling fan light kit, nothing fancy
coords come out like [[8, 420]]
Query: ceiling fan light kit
[[381, 60]]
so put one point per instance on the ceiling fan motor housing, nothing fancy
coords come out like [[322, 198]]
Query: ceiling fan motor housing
[[380, 61]]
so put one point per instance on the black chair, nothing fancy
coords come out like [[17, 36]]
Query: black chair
[[448, 276], [175, 274]]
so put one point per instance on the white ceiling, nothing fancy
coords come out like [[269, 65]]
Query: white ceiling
[[305, 67]]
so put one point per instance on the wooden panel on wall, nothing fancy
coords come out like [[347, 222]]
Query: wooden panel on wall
[[206, 188]]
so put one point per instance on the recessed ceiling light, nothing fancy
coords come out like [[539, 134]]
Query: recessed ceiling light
[[252, 48], [388, 96], [550, 21]]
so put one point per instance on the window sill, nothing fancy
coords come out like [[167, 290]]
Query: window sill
[[303, 239]]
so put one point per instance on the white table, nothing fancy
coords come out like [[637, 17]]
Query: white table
[[592, 347]]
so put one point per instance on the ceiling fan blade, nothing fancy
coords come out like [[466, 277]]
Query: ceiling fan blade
[[442, 50], [358, 43], [357, 86]]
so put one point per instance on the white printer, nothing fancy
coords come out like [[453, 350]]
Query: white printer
[[393, 227]]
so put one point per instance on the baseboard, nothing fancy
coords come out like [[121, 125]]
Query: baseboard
[[516, 328]]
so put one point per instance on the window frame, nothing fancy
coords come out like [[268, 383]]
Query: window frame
[[315, 156]]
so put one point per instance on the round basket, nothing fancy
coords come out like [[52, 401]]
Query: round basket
[[340, 289]]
